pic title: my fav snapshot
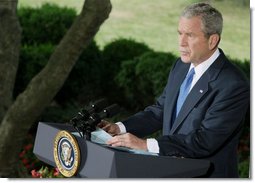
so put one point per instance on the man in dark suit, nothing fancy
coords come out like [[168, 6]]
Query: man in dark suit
[[203, 105]]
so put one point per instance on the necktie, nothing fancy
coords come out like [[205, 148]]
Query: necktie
[[184, 90]]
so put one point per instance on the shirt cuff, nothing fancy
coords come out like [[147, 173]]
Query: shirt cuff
[[121, 127], [152, 145]]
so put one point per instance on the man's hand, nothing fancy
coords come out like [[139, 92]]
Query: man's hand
[[128, 140], [109, 127]]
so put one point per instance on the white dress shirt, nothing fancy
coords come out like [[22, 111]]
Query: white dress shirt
[[152, 144]]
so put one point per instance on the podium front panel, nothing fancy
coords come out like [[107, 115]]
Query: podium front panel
[[98, 161]]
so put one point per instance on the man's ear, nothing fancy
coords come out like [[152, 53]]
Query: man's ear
[[214, 40]]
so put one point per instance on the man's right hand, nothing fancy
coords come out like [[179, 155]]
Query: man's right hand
[[109, 127]]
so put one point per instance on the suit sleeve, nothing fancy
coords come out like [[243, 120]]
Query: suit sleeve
[[222, 122], [148, 121]]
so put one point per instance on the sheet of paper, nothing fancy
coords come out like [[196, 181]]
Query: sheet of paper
[[100, 136]]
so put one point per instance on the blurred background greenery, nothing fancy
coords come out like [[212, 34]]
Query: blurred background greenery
[[155, 22], [127, 63]]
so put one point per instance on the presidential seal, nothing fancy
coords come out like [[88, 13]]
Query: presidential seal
[[66, 153]]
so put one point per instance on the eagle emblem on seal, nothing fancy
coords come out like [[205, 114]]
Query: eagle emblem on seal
[[66, 153]]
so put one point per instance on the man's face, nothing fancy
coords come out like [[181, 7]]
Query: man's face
[[193, 45]]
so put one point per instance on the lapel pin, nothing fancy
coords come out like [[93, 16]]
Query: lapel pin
[[201, 91]]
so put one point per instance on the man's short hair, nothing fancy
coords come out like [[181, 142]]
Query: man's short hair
[[212, 21]]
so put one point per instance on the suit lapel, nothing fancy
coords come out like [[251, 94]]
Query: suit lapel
[[172, 95], [199, 90]]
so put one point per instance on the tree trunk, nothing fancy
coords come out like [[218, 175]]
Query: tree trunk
[[43, 87], [10, 37]]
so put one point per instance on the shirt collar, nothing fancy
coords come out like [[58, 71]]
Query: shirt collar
[[202, 67]]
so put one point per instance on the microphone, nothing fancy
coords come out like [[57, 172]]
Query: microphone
[[95, 118], [96, 107], [85, 113], [110, 111], [106, 113]]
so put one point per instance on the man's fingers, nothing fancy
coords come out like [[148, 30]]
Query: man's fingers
[[106, 127], [100, 125], [103, 124], [128, 140], [119, 140], [116, 141], [117, 144]]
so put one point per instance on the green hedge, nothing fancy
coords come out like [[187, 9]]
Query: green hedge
[[47, 24], [144, 77], [243, 65], [113, 55], [244, 169]]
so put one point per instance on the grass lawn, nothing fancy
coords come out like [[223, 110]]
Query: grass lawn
[[155, 22]]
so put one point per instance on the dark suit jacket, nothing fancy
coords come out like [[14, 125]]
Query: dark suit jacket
[[208, 125]]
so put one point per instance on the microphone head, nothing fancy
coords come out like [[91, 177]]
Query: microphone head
[[98, 105], [112, 110]]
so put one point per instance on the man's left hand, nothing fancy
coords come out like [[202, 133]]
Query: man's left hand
[[128, 140]]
